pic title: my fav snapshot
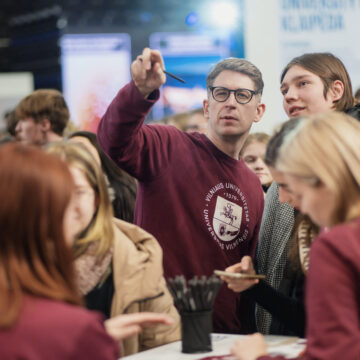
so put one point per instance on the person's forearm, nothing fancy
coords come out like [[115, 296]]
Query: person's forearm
[[124, 116], [289, 311]]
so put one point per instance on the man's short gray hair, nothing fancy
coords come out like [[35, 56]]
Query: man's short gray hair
[[238, 65]]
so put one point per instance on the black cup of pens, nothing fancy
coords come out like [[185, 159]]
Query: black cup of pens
[[196, 328], [194, 301]]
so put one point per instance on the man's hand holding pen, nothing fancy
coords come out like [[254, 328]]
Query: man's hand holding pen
[[148, 72]]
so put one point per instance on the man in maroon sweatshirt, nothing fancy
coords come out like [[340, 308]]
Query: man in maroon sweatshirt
[[195, 194]]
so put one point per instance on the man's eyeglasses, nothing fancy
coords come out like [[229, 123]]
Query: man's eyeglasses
[[242, 96]]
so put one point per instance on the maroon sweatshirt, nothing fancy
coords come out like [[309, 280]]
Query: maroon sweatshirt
[[203, 206], [49, 329], [333, 295]]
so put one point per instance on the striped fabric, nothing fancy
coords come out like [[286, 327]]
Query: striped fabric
[[305, 233]]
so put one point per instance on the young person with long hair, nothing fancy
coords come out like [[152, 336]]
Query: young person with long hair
[[40, 308], [118, 265], [320, 159], [311, 83]]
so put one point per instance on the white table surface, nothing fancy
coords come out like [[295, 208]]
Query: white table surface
[[221, 344]]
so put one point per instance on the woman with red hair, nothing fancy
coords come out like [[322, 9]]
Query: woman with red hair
[[40, 316]]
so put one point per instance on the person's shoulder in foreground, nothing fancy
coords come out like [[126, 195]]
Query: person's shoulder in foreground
[[75, 333]]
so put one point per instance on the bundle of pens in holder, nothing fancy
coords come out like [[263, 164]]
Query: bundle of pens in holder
[[194, 300]]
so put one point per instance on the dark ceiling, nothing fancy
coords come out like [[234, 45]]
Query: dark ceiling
[[111, 13], [22, 21], [137, 17]]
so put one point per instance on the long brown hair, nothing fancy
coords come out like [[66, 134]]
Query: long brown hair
[[329, 68], [35, 190]]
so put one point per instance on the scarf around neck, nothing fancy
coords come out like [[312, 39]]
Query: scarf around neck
[[90, 269]]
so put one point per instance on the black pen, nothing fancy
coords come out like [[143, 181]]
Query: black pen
[[174, 76], [168, 73]]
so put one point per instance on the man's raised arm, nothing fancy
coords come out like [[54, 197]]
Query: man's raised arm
[[127, 111]]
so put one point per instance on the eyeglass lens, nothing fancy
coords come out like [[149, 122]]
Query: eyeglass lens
[[241, 95]]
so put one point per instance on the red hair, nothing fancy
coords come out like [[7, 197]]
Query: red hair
[[35, 190]]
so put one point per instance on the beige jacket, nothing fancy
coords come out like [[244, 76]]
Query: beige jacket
[[140, 286]]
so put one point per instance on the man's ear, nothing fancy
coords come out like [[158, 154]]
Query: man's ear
[[206, 108], [337, 90], [260, 109], [45, 125]]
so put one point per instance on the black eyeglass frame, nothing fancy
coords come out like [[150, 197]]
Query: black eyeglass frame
[[252, 92]]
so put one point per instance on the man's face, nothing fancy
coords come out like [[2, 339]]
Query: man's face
[[229, 119], [30, 132]]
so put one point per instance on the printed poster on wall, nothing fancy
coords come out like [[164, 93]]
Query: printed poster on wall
[[94, 68], [321, 26]]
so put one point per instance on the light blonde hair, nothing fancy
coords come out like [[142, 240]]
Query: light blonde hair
[[325, 149], [100, 230]]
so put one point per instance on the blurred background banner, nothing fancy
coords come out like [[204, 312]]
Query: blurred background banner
[[321, 26], [94, 68]]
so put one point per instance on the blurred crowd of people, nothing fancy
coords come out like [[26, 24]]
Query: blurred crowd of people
[[92, 225]]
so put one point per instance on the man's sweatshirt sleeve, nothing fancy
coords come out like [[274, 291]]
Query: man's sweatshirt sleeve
[[120, 132]]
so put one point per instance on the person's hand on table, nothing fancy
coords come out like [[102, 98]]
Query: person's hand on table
[[250, 348], [147, 71], [246, 267], [123, 326]]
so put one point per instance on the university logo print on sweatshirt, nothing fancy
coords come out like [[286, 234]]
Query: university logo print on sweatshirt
[[226, 219], [225, 206]]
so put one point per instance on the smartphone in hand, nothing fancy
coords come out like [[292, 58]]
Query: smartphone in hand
[[238, 275]]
